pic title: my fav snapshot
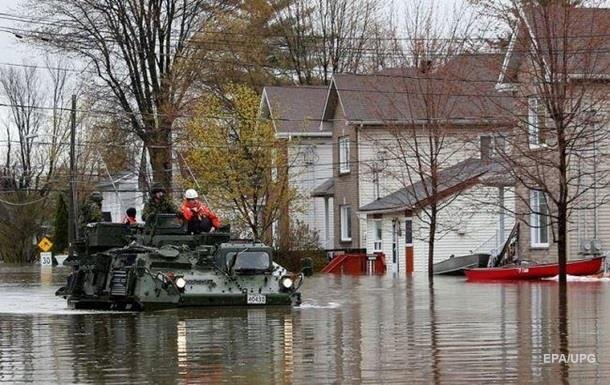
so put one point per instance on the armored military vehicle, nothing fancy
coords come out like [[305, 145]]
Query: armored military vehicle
[[161, 265]]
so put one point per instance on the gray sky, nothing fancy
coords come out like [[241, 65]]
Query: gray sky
[[10, 49]]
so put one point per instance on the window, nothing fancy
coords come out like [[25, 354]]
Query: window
[[539, 219], [274, 169], [499, 147], [344, 165], [346, 223], [486, 149], [492, 146], [378, 236], [409, 231], [377, 166], [536, 121], [245, 261], [376, 189], [310, 156]]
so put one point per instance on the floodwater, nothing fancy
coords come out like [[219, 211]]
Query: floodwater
[[350, 330]]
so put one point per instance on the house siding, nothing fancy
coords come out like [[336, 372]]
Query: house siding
[[346, 185], [376, 140], [580, 223], [125, 196], [312, 165]]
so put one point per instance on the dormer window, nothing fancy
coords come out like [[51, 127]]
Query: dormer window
[[536, 122]]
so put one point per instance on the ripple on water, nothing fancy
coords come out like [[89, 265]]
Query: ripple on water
[[315, 305], [364, 330]]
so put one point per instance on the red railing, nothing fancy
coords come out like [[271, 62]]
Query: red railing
[[357, 264]]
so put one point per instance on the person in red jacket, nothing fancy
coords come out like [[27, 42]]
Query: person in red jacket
[[200, 218], [130, 217]]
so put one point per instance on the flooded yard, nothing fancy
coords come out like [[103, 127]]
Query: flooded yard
[[349, 330]]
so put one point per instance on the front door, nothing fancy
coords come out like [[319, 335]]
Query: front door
[[409, 245], [395, 258]]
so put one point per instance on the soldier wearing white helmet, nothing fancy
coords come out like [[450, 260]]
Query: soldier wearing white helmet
[[200, 218]]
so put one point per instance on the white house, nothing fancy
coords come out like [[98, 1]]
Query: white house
[[120, 192], [476, 217], [295, 113], [369, 114]]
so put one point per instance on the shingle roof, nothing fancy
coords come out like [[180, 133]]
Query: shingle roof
[[297, 109], [326, 189], [457, 91], [456, 176], [584, 31]]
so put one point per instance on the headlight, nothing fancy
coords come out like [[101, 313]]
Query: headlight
[[287, 282], [180, 283]]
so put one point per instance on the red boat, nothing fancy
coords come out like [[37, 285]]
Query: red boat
[[587, 266]]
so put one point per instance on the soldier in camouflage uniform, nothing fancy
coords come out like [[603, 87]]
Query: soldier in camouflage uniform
[[158, 203], [92, 209]]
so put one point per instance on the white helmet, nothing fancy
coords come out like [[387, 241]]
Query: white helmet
[[190, 194]]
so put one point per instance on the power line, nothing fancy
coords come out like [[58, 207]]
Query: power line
[[193, 43], [32, 20], [394, 76], [306, 143]]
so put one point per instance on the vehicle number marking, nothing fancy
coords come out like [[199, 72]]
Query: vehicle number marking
[[256, 299]]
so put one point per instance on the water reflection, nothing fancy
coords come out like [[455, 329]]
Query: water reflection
[[563, 329], [384, 330]]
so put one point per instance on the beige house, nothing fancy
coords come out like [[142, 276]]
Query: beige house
[[583, 34]]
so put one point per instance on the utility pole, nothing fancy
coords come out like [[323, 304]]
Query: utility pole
[[72, 228]]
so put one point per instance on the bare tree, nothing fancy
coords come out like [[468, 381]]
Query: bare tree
[[38, 122], [320, 37], [138, 51], [22, 90], [434, 118], [556, 61]]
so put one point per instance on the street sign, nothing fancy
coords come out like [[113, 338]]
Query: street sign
[[46, 259], [45, 244]]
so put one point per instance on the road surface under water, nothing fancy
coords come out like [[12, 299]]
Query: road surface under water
[[350, 330]]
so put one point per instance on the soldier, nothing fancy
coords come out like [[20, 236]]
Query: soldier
[[158, 203], [92, 209]]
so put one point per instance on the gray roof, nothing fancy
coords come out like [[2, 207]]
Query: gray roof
[[297, 110], [326, 189], [451, 179], [458, 90]]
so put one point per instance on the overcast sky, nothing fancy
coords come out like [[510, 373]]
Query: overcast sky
[[10, 48]]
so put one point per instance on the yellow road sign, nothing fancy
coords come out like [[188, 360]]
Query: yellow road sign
[[45, 244]]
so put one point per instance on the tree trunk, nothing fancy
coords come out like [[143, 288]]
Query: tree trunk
[[160, 151], [431, 240], [562, 204], [562, 244]]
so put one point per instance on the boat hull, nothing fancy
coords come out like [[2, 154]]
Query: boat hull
[[581, 267], [457, 265]]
